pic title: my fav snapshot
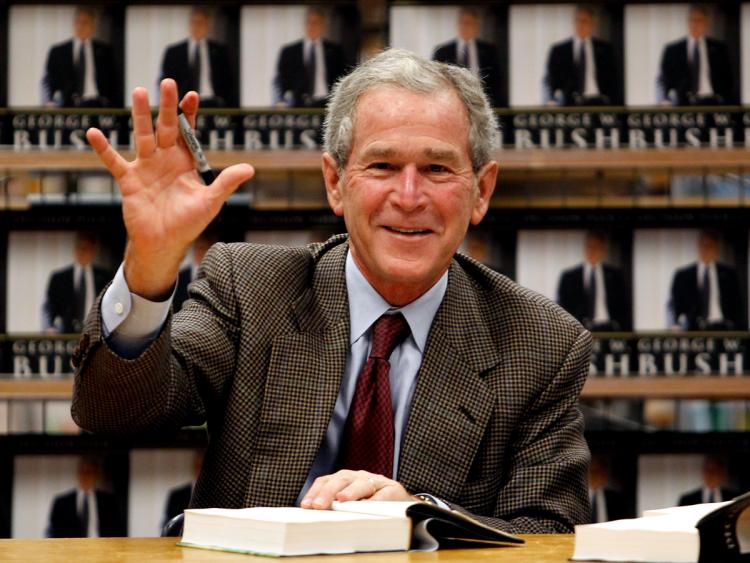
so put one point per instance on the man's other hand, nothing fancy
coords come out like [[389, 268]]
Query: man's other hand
[[353, 485]]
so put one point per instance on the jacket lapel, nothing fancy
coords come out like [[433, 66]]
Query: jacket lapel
[[304, 376], [452, 404]]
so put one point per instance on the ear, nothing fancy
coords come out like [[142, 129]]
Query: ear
[[486, 180], [332, 179]]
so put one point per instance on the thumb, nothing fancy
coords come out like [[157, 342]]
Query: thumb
[[230, 179]]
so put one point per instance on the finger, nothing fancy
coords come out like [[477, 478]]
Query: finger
[[143, 128], [391, 492], [109, 156], [325, 496], [229, 180], [359, 489], [166, 123], [312, 492], [189, 106]]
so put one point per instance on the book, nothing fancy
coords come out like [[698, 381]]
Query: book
[[349, 527], [701, 533]]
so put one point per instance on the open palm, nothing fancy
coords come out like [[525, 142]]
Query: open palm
[[164, 201]]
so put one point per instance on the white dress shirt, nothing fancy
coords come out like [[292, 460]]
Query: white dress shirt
[[601, 312], [473, 57], [89, 76], [584, 47], [320, 86], [89, 497], [205, 89], [714, 305], [88, 278], [706, 495], [704, 76], [597, 499]]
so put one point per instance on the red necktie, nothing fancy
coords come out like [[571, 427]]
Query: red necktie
[[368, 436]]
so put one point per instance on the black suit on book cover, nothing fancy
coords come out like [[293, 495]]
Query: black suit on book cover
[[573, 296], [489, 67], [178, 501], [696, 496], [60, 304], [65, 522], [686, 298], [60, 81], [563, 80], [291, 75], [676, 77], [176, 65], [615, 504], [184, 278]]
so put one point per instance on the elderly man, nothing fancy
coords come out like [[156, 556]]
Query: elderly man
[[582, 69], [81, 72], [375, 366], [696, 70], [201, 64]]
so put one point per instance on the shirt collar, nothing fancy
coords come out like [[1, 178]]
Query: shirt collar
[[463, 43], [366, 305]]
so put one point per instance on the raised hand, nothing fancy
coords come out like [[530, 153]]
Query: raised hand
[[165, 204]]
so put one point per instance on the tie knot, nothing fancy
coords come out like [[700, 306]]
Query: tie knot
[[387, 333]]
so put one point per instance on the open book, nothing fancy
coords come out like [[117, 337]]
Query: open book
[[349, 527], [701, 533]]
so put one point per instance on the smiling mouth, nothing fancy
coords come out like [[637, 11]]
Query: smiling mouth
[[408, 231]]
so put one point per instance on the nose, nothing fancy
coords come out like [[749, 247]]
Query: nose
[[409, 191]]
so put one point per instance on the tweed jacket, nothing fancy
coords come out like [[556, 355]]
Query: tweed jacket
[[258, 353]]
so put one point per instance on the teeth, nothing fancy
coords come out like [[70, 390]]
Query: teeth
[[407, 231]]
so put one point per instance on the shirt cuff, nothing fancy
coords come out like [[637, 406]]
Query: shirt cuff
[[129, 321]]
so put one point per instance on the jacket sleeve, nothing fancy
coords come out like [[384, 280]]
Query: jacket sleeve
[[177, 379], [546, 489]]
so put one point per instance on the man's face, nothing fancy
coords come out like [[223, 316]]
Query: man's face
[[468, 26], [597, 475], [584, 24], [407, 193], [708, 249], [88, 475], [84, 251], [83, 26], [713, 474], [199, 26], [314, 26], [697, 23], [594, 250]]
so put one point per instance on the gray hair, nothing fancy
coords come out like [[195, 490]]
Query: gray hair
[[398, 67]]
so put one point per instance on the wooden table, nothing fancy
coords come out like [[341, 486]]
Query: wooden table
[[538, 549]]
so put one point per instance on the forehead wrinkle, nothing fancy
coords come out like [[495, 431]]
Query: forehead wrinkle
[[444, 155], [431, 153], [376, 151]]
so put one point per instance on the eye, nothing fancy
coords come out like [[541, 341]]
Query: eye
[[437, 168], [380, 166]]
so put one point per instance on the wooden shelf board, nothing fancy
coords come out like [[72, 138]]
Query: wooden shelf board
[[719, 388], [573, 160], [36, 389], [724, 388]]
